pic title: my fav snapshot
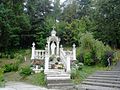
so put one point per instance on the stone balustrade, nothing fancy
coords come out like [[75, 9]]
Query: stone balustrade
[[39, 54], [63, 57]]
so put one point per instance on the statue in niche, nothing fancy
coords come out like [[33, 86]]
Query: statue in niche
[[53, 46]]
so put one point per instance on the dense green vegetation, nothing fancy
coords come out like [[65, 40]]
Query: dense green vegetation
[[23, 22], [1, 78]]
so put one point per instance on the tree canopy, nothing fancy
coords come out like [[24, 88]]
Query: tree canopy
[[23, 22]]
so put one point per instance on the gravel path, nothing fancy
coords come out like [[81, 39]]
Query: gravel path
[[22, 86]]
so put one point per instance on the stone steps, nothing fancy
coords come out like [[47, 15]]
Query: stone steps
[[101, 84], [58, 79], [65, 84], [91, 87], [108, 76], [60, 85], [107, 73], [55, 76], [105, 78], [102, 80]]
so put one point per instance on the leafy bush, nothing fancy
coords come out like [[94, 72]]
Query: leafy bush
[[87, 59], [1, 75], [7, 68], [12, 55], [25, 71], [92, 51], [41, 79], [20, 58], [10, 67], [15, 66], [1, 78], [116, 56], [75, 75], [38, 79], [75, 70]]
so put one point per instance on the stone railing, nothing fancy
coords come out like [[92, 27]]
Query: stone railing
[[70, 53], [39, 54], [63, 57]]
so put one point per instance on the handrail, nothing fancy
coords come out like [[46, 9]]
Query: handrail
[[63, 57], [39, 54]]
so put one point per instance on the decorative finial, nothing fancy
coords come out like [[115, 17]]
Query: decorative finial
[[53, 32], [74, 45], [61, 46], [33, 44]]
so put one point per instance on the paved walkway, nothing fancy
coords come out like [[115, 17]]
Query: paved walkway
[[22, 86]]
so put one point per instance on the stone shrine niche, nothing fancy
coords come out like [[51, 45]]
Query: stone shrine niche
[[53, 44]]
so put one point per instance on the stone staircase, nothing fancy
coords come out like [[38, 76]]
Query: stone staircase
[[58, 79], [102, 80]]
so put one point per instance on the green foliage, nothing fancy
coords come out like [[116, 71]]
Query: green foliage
[[12, 56], [40, 15], [41, 79], [19, 28], [7, 68], [106, 17], [10, 67], [1, 77], [14, 23], [88, 60], [74, 74], [37, 79], [25, 71], [20, 58], [92, 51], [116, 56]]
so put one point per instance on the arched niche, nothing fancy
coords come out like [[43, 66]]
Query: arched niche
[[53, 39]]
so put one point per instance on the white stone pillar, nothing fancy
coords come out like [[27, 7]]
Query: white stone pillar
[[57, 49], [46, 61], [61, 49], [33, 51], [68, 69], [48, 48], [74, 52], [36, 67]]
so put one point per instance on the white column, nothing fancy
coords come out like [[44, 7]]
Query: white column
[[46, 61], [74, 52], [33, 51], [57, 49], [42, 55], [61, 49], [68, 63], [48, 48]]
